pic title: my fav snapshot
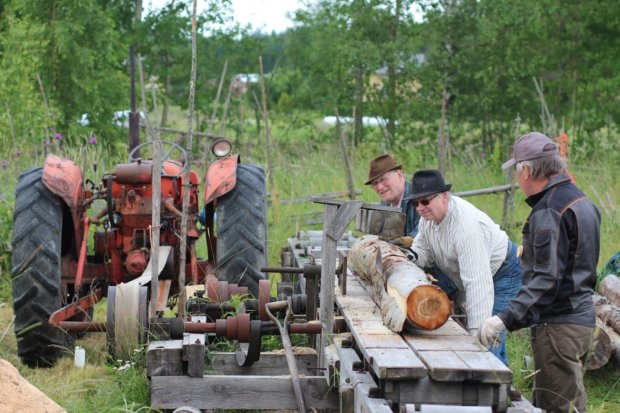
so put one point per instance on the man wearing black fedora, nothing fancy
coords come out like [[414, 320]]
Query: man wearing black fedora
[[387, 180], [467, 246]]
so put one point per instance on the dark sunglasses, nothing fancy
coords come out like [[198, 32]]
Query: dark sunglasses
[[424, 202]]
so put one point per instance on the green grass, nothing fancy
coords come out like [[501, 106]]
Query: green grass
[[306, 160]]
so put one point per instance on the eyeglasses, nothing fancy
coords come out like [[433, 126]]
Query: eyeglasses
[[424, 201], [382, 180]]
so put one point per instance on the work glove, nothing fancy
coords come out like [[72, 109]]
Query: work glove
[[490, 330], [403, 242]]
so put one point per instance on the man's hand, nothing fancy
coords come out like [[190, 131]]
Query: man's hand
[[490, 330], [404, 242]]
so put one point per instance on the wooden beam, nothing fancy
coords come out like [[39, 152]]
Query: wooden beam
[[239, 392], [269, 364]]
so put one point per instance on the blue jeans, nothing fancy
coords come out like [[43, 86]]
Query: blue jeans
[[506, 283]]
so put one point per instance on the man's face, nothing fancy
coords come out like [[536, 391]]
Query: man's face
[[522, 176], [390, 186], [433, 207]]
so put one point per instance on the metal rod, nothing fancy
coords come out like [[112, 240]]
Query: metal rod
[[82, 326], [283, 270], [198, 328], [290, 358]]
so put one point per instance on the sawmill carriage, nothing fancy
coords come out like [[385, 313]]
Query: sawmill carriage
[[361, 358]]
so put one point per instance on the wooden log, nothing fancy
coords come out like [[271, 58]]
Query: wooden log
[[614, 339], [601, 347], [608, 313], [401, 289], [610, 288]]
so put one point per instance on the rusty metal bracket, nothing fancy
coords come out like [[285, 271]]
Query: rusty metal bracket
[[76, 307]]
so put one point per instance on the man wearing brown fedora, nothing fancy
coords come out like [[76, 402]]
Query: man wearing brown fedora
[[468, 247], [387, 180]]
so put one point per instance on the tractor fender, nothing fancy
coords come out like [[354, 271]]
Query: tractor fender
[[63, 178], [221, 178]]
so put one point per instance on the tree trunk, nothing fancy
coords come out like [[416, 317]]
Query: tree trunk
[[610, 288], [400, 288], [358, 109]]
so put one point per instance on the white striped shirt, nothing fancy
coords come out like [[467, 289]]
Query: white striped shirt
[[469, 248]]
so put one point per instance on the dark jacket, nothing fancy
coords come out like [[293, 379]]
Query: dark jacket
[[561, 240], [411, 215]]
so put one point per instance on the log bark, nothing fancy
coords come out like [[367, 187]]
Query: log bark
[[608, 313], [610, 288], [401, 289], [614, 339], [601, 347]]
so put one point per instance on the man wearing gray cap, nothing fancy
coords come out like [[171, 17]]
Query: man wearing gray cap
[[561, 240]]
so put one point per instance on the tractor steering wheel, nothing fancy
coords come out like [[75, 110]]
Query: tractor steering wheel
[[164, 154]]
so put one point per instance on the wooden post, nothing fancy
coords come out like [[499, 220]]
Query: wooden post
[[442, 140], [508, 210], [345, 157], [335, 221], [187, 184], [155, 229]]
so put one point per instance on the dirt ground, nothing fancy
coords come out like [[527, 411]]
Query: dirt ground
[[19, 396]]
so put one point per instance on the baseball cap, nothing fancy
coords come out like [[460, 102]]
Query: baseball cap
[[533, 145]]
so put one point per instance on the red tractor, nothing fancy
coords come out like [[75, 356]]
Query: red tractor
[[58, 275]]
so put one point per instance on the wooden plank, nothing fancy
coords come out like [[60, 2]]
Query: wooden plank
[[450, 328], [451, 354], [392, 341], [349, 301], [343, 218], [480, 366], [269, 364], [452, 343], [395, 363], [239, 392], [386, 353]]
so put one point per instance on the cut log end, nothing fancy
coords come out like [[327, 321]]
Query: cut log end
[[428, 307]]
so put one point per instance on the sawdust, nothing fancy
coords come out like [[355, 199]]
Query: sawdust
[[19, 396]]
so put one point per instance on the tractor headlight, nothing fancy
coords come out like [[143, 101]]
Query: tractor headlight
[[221, 147]]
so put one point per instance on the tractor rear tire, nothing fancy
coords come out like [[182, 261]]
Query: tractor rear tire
[[242, 230], [37, 289]]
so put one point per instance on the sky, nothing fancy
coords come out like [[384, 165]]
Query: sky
[[264, 15]]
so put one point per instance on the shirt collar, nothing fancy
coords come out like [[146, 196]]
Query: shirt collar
[[553, 181]]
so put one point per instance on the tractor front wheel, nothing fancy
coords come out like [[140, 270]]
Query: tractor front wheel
[[242, 230], [37, 289]]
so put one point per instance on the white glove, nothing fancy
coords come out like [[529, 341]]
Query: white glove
[[490, 330]]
